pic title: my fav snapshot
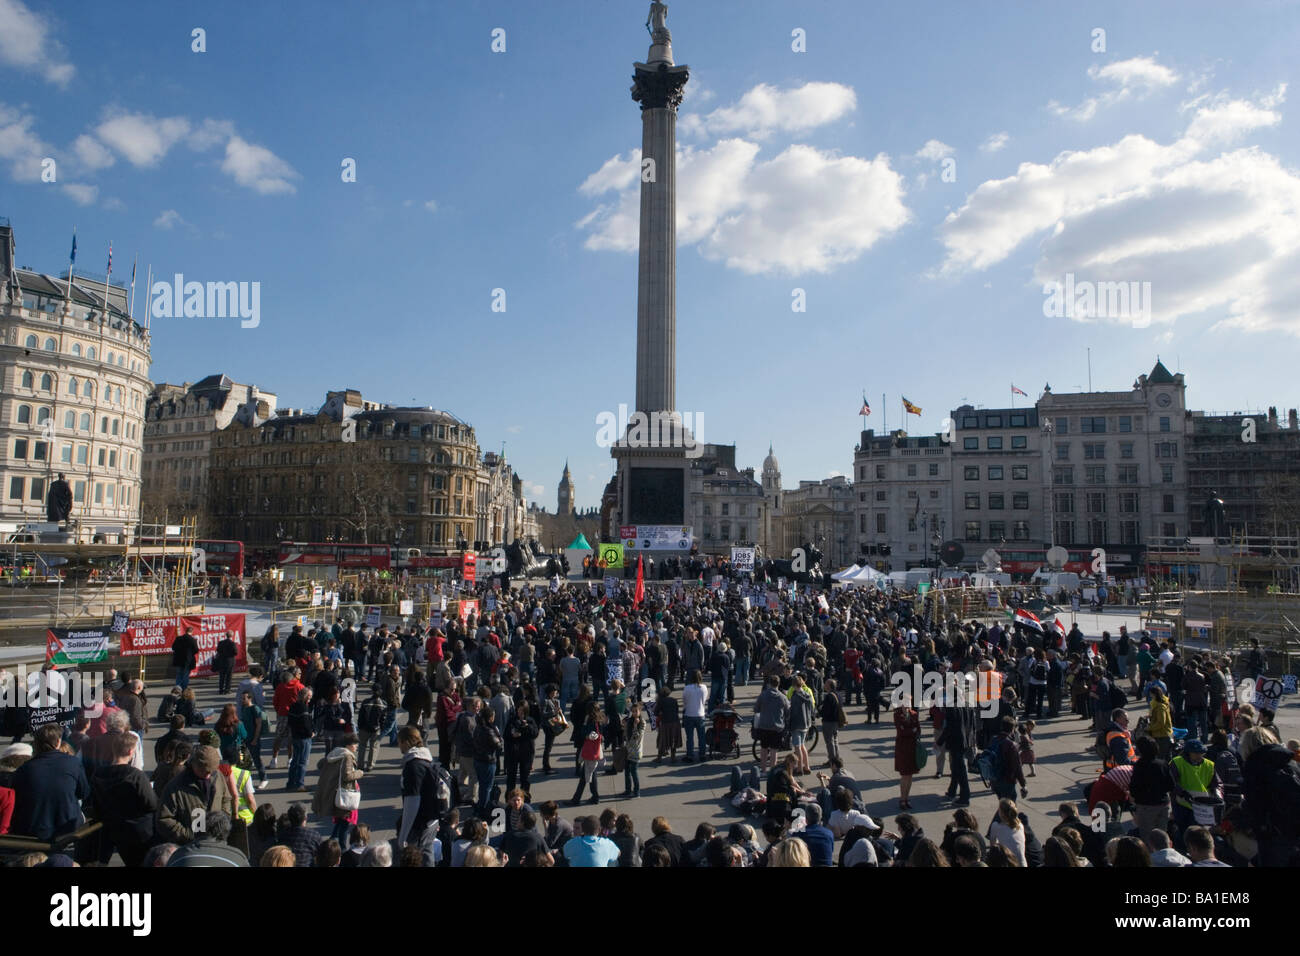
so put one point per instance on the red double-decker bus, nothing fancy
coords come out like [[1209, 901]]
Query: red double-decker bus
[[1024, 561], [220, 557], [345, 556]]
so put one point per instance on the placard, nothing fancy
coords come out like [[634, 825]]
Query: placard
[[121, 620], [64, 647], [406, 608], [148, 637], [742, 559], [468, 607]]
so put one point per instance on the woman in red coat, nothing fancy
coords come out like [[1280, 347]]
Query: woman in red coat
[[907, 731]]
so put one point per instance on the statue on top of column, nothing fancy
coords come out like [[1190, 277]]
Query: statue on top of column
[[657, 22]]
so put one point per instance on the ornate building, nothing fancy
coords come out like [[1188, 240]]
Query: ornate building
[[567, 499], [179, 424], [819, 513], [74, 378], [725, 505], [771, 542], [352, 471]]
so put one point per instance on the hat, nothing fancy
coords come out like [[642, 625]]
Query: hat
[[16, 750], [207, 758], [57, 859], [1194, 746]]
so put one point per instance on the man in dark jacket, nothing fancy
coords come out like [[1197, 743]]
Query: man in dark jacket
[[666, 838], [958, 738], [224, 662], [185, 654], [48, 789], [421, 805], [199, 787], [1010, 772], [125, 803], [130, 697], [1271, 791], [210, 848]]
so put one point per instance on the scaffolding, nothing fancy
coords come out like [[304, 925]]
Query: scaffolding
[[166, 556]]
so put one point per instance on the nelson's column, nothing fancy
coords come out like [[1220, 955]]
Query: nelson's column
[[652, 465]]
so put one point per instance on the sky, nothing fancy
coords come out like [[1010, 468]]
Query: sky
[[915, 178]]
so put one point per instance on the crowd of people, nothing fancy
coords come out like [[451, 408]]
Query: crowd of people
[[593, 686]]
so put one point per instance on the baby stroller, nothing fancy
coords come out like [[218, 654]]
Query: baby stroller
[[721, 738]]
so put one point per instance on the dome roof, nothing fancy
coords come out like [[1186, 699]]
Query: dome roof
[[770, 463]]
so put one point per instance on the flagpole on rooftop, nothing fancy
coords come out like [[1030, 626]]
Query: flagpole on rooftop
[[72, 259], [108, 275], [130, 309]]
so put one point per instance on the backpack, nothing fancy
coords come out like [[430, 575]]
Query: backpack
[[989, 763], [1038, 671], [371, 716], [446, 790], [1118, 698]]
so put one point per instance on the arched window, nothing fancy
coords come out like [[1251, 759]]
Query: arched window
[[116, 425], [30, 342], [69, 420], [85, 422], [76, 349], [42, 416], [24, 414], [72, 385], [110, 358], [47, 382], [103, 425], [121, 361], [49, 345], [89, 390], [90, 353], [27, 379], [119, 395]]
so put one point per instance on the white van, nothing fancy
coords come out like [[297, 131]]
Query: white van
[[1055, 580], [991, 579]]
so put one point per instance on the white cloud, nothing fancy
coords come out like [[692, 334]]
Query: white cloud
[[113, 204], [835, 474], [143, 140], [169, 219], [994, 143], [804, 210], [431, 205], [515, 429], [934, 150], [1137, 76], [19, 146], [27, 43], [92, 153], [257, 168], [1212, 231], [534, 489], [81, 193], [766, 109]]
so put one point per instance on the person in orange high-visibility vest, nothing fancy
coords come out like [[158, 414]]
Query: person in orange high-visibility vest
[[1119, 743]]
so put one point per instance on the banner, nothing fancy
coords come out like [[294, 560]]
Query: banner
[[64, 647], [468, 607], [406, 607], [147, 637], [655, 537], [469, 568], [612, 555], [374, 617], [742, 559], [121, 619]]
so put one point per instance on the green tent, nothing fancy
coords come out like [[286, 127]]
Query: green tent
[[580, 542]]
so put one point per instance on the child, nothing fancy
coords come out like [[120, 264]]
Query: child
[[1027, 746], [1293, 745]]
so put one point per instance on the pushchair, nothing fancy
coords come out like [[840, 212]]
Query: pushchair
[[721, 738]]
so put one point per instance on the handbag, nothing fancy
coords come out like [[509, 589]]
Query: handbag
[[620, 759], [593, 749], [922, 754], [347, 798]]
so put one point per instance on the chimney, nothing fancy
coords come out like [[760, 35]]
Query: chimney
[[1291, 419], [1272, 416]]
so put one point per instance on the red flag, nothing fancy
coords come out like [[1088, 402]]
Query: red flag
[[640, 580]]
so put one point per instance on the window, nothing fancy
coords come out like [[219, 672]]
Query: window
[[70, 421], [972, 502], [993, 421], [1164, 423], [1019, 441], [726, 509], [997, 530], [1095, 426], [934, 469], [1166, 449], [1020, 530], [38, 450], [881, 496], [1019, 472], [970, 444], [1094, 449], [20, 449], [1167, 504], [117, 425], [971, 472], [972, 530], [1167, 474], [76, 349], [1020, 501], [1062, 451], [995, 472], [994, 443], [84, 424], [1169, 529], [16, 486], [47, 382], [997, 503], [38, 489], [1062, 426], [1095, 474], [1064, 503], [112, 459], [1097, 531], [83, 453], [89, 390], [1127, 474], [90, 353], [1128, 502], [102, 455], [1096, 502], [911, 471], [103, 425], [1065, 531], [111, 489], [934, 493], [1019, 421], [50, 346], [65, 454], [1126, 423], [27, 380], [970, 421], [30, 343], [911, 524], [24, 414], [880, 473], [1126, 449], [1130, 532], [880, 524], [1063, 475], [42, 415]]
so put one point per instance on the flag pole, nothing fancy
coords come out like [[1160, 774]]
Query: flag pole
[[108, 276], [72, 259], [130, 309], [148, 284]]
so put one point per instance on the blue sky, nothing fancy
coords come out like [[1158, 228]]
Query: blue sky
[[1170, 158]]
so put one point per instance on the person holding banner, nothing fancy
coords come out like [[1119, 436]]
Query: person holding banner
[[185, 656]]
